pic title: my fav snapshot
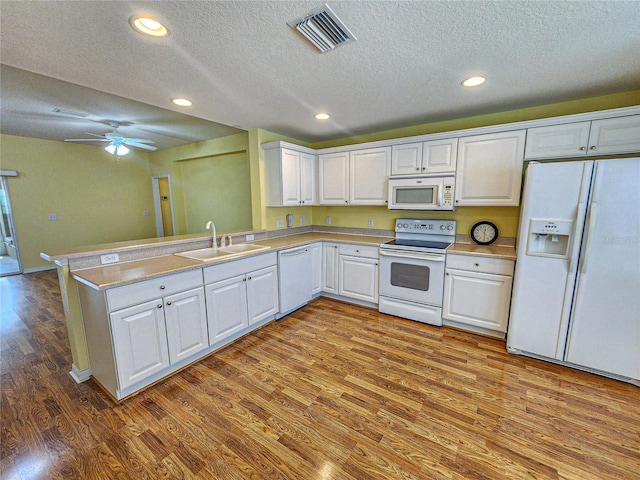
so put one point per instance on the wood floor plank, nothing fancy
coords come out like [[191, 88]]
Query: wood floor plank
[[333, 391]]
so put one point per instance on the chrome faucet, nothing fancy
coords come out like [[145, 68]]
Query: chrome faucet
[[212, 227]]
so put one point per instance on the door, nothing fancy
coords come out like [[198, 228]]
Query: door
[[406, 159], [139, 341], [369, 176], [163, 205], [358, 278], [186, 321], [605, 326], [478, 299], [555, 141], [226, 308], [334, 178], [414, 277], [262, 294], [316, 267], [489, 169], [10, 263], [543, 285], [290, 178], [615, 135], [308, 175], [439, 156], [330, 268]]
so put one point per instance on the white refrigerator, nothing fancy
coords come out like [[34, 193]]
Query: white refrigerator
[[576, 288]]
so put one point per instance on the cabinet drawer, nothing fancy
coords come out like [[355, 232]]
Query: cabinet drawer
[[359, 251], [474, 263], [120, 297], [215, 273]]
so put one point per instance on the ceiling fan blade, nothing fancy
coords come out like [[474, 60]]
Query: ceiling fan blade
[[128, 141], [95, 135], [86, 140], [138, 140]]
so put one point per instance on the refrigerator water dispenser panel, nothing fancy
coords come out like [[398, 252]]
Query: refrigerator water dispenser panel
[[549, 237]]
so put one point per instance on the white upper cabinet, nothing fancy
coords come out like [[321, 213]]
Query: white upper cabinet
[[489, 170], [290, 177], [369, 176], [599, 137], [615, 135], [334, 178], [437, 156]]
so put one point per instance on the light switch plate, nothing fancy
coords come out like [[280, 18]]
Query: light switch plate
[[280, 223], [250, 237], [371, 222], [327, 220], [53, 216]]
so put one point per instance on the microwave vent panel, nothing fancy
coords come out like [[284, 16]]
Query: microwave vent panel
[[323, 29]]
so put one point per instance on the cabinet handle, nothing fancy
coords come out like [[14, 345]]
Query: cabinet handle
[[346, 201], [162, 287], [160, 306], [249, 278], [583, 149], [418, 168], [168, 303], [244, 279], [477, 264], [447, 274], [424, 168], [592, 147]]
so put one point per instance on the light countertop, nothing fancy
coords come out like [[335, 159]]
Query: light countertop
[[506, 252]]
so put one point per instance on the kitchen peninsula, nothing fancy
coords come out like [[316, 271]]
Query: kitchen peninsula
[[150, 284]]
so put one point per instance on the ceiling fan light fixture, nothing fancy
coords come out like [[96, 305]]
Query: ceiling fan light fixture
[[115, 149], [148, 26], [182, 102], [474, 81]]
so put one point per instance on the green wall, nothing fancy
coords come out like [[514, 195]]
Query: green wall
[[96, 198]]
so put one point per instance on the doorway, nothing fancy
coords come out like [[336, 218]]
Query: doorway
[[10, 263], [163, 205]]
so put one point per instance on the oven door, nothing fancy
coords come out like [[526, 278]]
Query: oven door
[[413, 276]]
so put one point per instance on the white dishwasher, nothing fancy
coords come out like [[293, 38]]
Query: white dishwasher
[[295, 278]]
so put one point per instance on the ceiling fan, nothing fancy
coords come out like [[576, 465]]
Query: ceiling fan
[[117, 143]]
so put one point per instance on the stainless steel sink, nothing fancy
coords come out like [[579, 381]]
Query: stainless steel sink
[[207, 254]]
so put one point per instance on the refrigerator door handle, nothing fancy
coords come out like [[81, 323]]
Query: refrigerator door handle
[[592, 223], [575, 248]]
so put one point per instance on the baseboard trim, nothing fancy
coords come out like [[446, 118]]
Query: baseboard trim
[[80, 375], [39, 269]]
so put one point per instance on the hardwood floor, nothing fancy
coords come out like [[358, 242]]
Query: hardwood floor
[[333, 391]]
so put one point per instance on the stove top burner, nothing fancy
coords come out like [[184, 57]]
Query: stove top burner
[[418, 244]]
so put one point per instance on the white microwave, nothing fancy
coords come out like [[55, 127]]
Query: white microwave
[[422, 193]]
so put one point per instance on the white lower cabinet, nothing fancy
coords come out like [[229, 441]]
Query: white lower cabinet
[[358, 272], [240, 294], [477, 293], [330, 254], [316, 267]]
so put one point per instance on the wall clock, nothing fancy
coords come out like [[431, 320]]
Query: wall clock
[[484, 233]]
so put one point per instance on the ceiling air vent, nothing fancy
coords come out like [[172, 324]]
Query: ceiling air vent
[[323, 28]]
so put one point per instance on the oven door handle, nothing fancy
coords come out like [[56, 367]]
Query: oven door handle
[[417, 256]]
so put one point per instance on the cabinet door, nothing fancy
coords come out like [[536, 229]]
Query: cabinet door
[[330, 267], [334, 178], [615, 135], [489, 170], [262, 294], [358, 278], [290, 178], [308, 193], [186, 320], [439, 156], [139, 342], [369, 176], [477, 299], [555, 141], [316, 267], [406, 159], [226, 308]]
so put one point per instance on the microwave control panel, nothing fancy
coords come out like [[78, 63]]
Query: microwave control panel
[[447, 195]]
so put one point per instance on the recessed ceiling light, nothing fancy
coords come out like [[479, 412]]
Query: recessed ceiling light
[[148, 26], [182, 102], [473, 81], [323, 116]]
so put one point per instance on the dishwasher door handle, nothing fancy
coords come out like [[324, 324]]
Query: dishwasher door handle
[[295, 253]]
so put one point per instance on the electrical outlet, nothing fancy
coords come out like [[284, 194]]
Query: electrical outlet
[[301, 220], [53, 216], [280, 223], [371, 222], [327, 220], [146, 213], [109, 258], [250, 237]]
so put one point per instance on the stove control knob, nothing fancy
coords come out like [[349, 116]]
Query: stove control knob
[[449, 227], [443, 227]]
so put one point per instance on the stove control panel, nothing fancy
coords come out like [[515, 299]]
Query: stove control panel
[[412, 225]]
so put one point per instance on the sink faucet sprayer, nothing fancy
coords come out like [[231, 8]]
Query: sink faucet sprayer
[[212, 226]]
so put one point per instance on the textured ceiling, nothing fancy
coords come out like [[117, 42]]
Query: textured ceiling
[[243, 66]]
